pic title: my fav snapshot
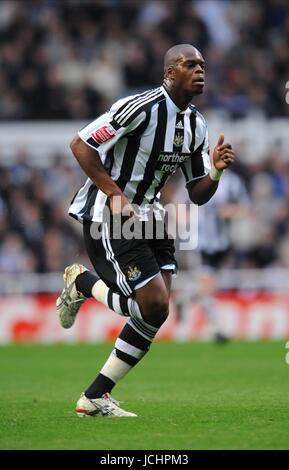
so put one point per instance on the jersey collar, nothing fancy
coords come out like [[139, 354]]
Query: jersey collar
[[170, 102]]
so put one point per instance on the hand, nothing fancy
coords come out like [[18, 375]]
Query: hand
[[223, 154], [119, 204]]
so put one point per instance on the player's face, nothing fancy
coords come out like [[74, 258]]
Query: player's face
[[189, 73]]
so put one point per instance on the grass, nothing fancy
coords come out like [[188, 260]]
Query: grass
[[187, 396]]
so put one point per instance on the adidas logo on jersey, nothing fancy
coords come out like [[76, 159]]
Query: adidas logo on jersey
[[179, 125]]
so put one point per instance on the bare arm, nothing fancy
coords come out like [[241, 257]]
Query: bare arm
[[90, 162], [202, 190]]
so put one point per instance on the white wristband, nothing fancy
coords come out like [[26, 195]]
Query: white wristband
[[215, 174]]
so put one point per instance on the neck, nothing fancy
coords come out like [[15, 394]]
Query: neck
[[178, 96]]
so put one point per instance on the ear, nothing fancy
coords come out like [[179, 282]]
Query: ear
[[171, 73]]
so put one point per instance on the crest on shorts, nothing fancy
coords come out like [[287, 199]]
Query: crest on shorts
[[178, 139], [133, 273]]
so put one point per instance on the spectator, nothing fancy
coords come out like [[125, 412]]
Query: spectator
[[54, 67]]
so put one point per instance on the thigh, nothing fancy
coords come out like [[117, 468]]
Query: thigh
[[124, 265], [167, 278], [154, 291]]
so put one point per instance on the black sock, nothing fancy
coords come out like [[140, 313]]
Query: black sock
[[85, 282], [99, 386]]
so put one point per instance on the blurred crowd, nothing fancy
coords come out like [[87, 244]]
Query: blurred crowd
[[71, 59], [37, 235], [35, 230]]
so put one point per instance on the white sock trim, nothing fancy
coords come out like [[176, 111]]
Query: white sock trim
[[114, 368], [129, 349], [99, 291], [146, 336]]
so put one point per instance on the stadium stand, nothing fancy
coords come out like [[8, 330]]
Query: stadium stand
[[54, 67]]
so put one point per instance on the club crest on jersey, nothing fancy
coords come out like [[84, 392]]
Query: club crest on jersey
[[178, 139], [133, 273], [103, 134]]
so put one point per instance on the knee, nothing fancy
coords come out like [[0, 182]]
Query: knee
[[155, 310]]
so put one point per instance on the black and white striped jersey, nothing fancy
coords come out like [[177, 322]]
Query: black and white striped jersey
[[142, 140]]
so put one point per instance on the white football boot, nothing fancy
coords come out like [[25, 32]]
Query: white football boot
[[70, 301], [104, 406]]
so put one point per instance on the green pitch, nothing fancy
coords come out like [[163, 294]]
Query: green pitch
[[187, 396]]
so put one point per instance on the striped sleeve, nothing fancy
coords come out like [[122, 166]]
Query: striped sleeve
[[103, 133], [199, 164]]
